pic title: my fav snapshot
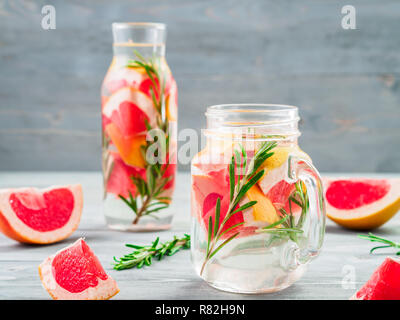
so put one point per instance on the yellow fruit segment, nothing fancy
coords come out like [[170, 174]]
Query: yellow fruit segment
[[263, 210], [280, 156], [277, 159], [171, 108], [128, 147]]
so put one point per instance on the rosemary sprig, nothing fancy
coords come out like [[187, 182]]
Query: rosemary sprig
[[289, 227], [153, 69], [143, 255], [149, 191], [237, 191], [388, 243]]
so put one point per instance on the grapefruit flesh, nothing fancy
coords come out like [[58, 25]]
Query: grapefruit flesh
[[207, 187], [384, 283], [75, 273], [279, 195], [32, 215], [43, 211], [361, 203], [129, 118], [119, 181]]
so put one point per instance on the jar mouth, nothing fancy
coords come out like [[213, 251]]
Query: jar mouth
[[256, 111], [139, 34], [253, 119]]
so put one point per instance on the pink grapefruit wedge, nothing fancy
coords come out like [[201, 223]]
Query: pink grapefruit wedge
[[360, 203], [384, 283], [42, 216], [75, 273]]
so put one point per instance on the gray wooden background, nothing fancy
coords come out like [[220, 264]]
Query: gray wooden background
[[346, 82]]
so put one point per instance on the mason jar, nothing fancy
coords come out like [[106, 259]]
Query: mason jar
[[139, 110], [257, 206]]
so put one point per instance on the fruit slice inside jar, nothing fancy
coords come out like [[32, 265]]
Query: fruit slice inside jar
[[214, 183], [128, 108], [206, 189], [263, 210], [129, 147], [119, 181]]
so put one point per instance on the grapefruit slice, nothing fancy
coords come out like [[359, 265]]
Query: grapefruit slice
[[263, 210], [75, 273], [360, 203], [129, 147], [206, 189], [138, 99], [119, 181], [384, 283], [38, 216], [276, 166]]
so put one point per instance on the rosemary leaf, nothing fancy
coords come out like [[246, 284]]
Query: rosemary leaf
[[217, 214], [223, 244]]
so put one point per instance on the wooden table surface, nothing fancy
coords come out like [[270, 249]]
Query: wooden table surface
[[344, 257]]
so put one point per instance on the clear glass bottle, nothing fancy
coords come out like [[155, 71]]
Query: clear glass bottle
[[259, 235], [139, 119]]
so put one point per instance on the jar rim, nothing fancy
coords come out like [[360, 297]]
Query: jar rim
[[259, 118], [256, 113], [219, 109]]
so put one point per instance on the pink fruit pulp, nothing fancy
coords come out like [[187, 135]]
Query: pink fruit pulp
[[43, 212], [119, 181], [77, 268], [130, 119], [347, 195], [384, 283]]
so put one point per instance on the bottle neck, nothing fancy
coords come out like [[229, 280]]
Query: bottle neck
[[146, 39]]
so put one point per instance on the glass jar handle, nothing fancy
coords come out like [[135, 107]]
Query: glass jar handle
[[302, 169]]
